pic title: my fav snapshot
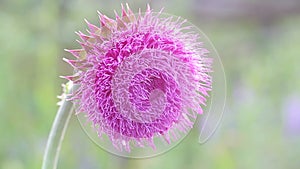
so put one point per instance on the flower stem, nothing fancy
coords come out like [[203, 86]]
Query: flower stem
[[58, 130]]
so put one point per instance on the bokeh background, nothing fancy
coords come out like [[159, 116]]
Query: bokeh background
[[258, 41]]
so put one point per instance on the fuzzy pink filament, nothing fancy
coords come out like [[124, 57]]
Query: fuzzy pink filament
[[140, 76]]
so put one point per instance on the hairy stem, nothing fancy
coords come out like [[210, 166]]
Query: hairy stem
[[58, 130]]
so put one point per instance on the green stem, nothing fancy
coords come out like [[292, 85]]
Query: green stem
[[58, 130]]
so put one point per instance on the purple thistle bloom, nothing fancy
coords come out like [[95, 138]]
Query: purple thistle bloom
[[140, 76]]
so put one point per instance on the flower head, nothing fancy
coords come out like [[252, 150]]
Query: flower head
[[140, 76]]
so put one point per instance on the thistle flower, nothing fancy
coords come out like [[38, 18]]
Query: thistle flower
[[140, 77]]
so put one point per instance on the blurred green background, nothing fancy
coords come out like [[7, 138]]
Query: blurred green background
[[259, 43]]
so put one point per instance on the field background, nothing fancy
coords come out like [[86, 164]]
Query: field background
[[259, 43]]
